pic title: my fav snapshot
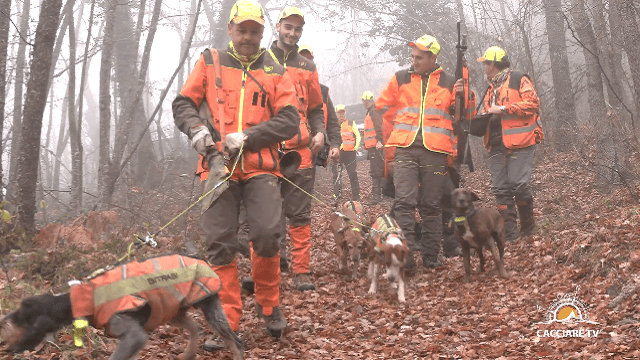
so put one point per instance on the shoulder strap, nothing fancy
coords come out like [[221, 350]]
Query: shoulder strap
[[212, 65], [446, 81], [515, 78], [480, 102]]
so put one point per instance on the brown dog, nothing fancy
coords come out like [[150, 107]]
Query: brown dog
[[347, 233], [387, 247], [477, 229]]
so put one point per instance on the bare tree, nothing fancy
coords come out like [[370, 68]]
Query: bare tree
[[35, 102], [627, 13], [586, 37], [18, 90], [5, 10], [74, 127], [565, 108]]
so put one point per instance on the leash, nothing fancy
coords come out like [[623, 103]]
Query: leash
[[149, 239], [329, 207]]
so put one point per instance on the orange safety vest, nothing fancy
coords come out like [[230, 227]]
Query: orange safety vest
[[404, 104], [517, 131], [167, 284], [304, 76], [246, 104], [348, 137], [469, 112], [369, 133]]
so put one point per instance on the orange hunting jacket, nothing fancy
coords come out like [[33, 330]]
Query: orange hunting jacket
[[268, 115], [521, 125], [166, 283], [304, 76], [412, 105]]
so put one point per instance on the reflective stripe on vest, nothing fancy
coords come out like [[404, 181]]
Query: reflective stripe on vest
[[520, 130]]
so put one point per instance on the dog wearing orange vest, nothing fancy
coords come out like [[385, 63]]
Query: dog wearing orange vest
[[127, 302], [387, 247]]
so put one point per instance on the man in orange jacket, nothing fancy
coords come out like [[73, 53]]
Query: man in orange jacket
[[308, 141], [348, 156], [419, 103], [373, 143], [510, 138], [259, 111], [331, 123]]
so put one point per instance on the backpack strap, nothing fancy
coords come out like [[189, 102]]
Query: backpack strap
[[212, 63]]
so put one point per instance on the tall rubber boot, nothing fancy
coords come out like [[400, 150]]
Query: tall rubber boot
[[230, 293], [375, 191], [508, 213], [266, 275], [527, 220]]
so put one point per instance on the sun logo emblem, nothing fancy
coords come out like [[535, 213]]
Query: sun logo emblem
[[567, 308]]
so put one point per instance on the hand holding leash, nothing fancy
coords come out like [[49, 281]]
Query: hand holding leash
[[201, 139]]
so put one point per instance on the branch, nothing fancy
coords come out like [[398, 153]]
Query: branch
[[185, 54]]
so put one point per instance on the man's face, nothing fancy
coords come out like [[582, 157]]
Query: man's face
[[289, 31], [342, 115], [423, 61], [490, 69], [246, 37], [367, 103]]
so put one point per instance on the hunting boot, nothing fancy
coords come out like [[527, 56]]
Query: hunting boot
[[508, 213], [376, 188], [527, 221]]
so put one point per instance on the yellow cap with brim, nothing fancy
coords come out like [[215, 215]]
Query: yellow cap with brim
[[291, 10], [427, 43], [494, 53], [305, 48], [244, 10], [367, 95], [340, 107]]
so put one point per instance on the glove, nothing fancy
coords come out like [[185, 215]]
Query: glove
[[234, 141], [201, 139]]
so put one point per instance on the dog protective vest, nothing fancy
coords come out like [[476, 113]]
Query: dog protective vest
[[166, 283], [384, 226]]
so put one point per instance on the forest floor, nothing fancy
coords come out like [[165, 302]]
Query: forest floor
[[586, 254]]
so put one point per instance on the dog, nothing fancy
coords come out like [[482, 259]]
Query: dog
[[386, 246], [127, 302], [347, 230], [477, 229]]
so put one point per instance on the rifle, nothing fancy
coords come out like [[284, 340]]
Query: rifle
[[464, 151]]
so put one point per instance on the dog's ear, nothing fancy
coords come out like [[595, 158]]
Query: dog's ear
[[386, 252], [474, 196]]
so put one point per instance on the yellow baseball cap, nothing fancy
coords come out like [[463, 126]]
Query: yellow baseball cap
[[289, 11], [367, 95], [340, 107], [427, 43], [494, 53], [244, 10], [305, 48]]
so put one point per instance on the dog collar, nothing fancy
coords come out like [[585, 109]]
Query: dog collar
[[464, 218], [79, 325]]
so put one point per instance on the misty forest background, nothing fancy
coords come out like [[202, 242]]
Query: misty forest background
[[86, 86]]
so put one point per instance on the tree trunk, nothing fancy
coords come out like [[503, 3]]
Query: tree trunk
[[35, 102], [18, 92], [587, 38], [105, 104], [62, 142], [564, 125], [614, 88], [616, 29], [83, 80], [74, 127], [131, 90], [5, 8], [631, 35]]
